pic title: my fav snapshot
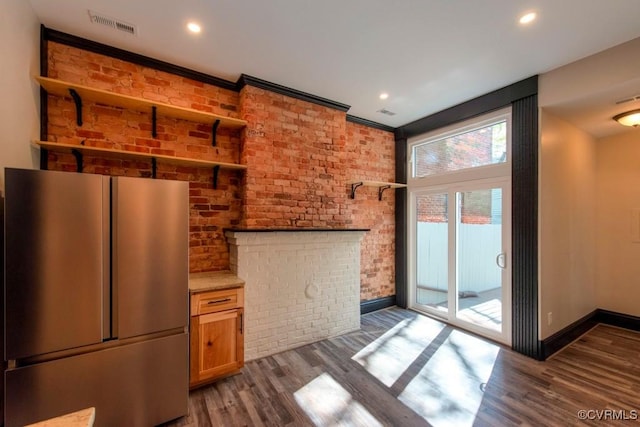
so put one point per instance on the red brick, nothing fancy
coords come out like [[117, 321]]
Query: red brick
[[83, 133], [299, 180], [300, 157], [108, 127]]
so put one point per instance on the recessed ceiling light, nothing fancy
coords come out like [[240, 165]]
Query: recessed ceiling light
[[384, 95], [193, 27], [528, 18]]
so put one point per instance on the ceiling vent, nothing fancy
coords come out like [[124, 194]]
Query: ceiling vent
[[116, 24], [387, 112], [624, 101]]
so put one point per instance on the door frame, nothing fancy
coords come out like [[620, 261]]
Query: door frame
[[466, 179], [451, 315]]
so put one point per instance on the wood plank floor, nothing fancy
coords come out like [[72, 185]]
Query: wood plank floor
[[405, 369]]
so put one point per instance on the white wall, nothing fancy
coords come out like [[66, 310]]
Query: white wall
[[597, 73], [618, 192], [567, 223], [20, 100]]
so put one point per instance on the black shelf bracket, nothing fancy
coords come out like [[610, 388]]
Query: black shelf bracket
[[78, 101], [154, 167], [154, 121], [44, 159], [79, 160], [214, 132], [354, 187], [381, 190], [216, 169]]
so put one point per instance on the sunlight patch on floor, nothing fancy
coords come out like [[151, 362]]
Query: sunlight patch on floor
[[487, 314], [390, 355], [327, 403], [447, 391]]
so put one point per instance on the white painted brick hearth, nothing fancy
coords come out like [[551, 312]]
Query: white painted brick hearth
[[301, 286]]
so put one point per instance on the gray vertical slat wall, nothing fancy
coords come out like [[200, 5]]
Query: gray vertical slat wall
[[401, 224], [525, 226], [2, 300], [44, 103]]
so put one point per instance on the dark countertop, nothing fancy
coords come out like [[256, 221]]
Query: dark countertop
[[271, 230]]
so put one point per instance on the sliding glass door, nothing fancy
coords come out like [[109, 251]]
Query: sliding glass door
[[482, 280], [462, 247], [460, 225], [432, 251]]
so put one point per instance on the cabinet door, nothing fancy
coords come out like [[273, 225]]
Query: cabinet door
[[217, 344]]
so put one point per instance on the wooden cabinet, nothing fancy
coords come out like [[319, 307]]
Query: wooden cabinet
[[217, 335]]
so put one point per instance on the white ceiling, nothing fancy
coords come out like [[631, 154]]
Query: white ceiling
[[427, 54], [593, 112]]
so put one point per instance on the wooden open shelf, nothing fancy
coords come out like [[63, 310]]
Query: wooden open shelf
[[61, 88], [122, 154], [382, 185], [79, 150], [379, 184]]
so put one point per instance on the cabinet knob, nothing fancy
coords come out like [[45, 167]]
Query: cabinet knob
[[209, 343]]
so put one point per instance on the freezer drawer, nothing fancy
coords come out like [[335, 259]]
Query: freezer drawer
[[150, 255], [57, 259], [142, 384]]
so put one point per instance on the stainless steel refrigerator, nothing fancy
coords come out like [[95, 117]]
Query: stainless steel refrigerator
[[95, 297]]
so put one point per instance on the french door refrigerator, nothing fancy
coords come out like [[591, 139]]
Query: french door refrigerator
[[95, 297]]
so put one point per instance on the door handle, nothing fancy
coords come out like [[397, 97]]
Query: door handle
[[501, 257]]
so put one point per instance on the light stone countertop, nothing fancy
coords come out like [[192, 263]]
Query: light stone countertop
[[213, 280], [82, 418]]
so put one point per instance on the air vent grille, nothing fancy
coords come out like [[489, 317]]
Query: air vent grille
[[387, 112], [126, 27], [116, 24], [630, 99]]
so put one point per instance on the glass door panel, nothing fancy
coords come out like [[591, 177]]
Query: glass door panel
[[432, 251], [481, 259], [462, 241]]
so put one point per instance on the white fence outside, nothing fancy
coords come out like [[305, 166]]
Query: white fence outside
[[479, 244]]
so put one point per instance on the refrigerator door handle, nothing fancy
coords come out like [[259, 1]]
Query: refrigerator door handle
[[107, 331], [113, 210]]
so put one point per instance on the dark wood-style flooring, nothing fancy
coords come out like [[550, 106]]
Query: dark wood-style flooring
[[405, 369]]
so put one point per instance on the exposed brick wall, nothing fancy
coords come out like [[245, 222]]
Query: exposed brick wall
[[300, 158], [294, 153], [475, 207], [454, 153], [110, 127], [370, 155], [432, 208]]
